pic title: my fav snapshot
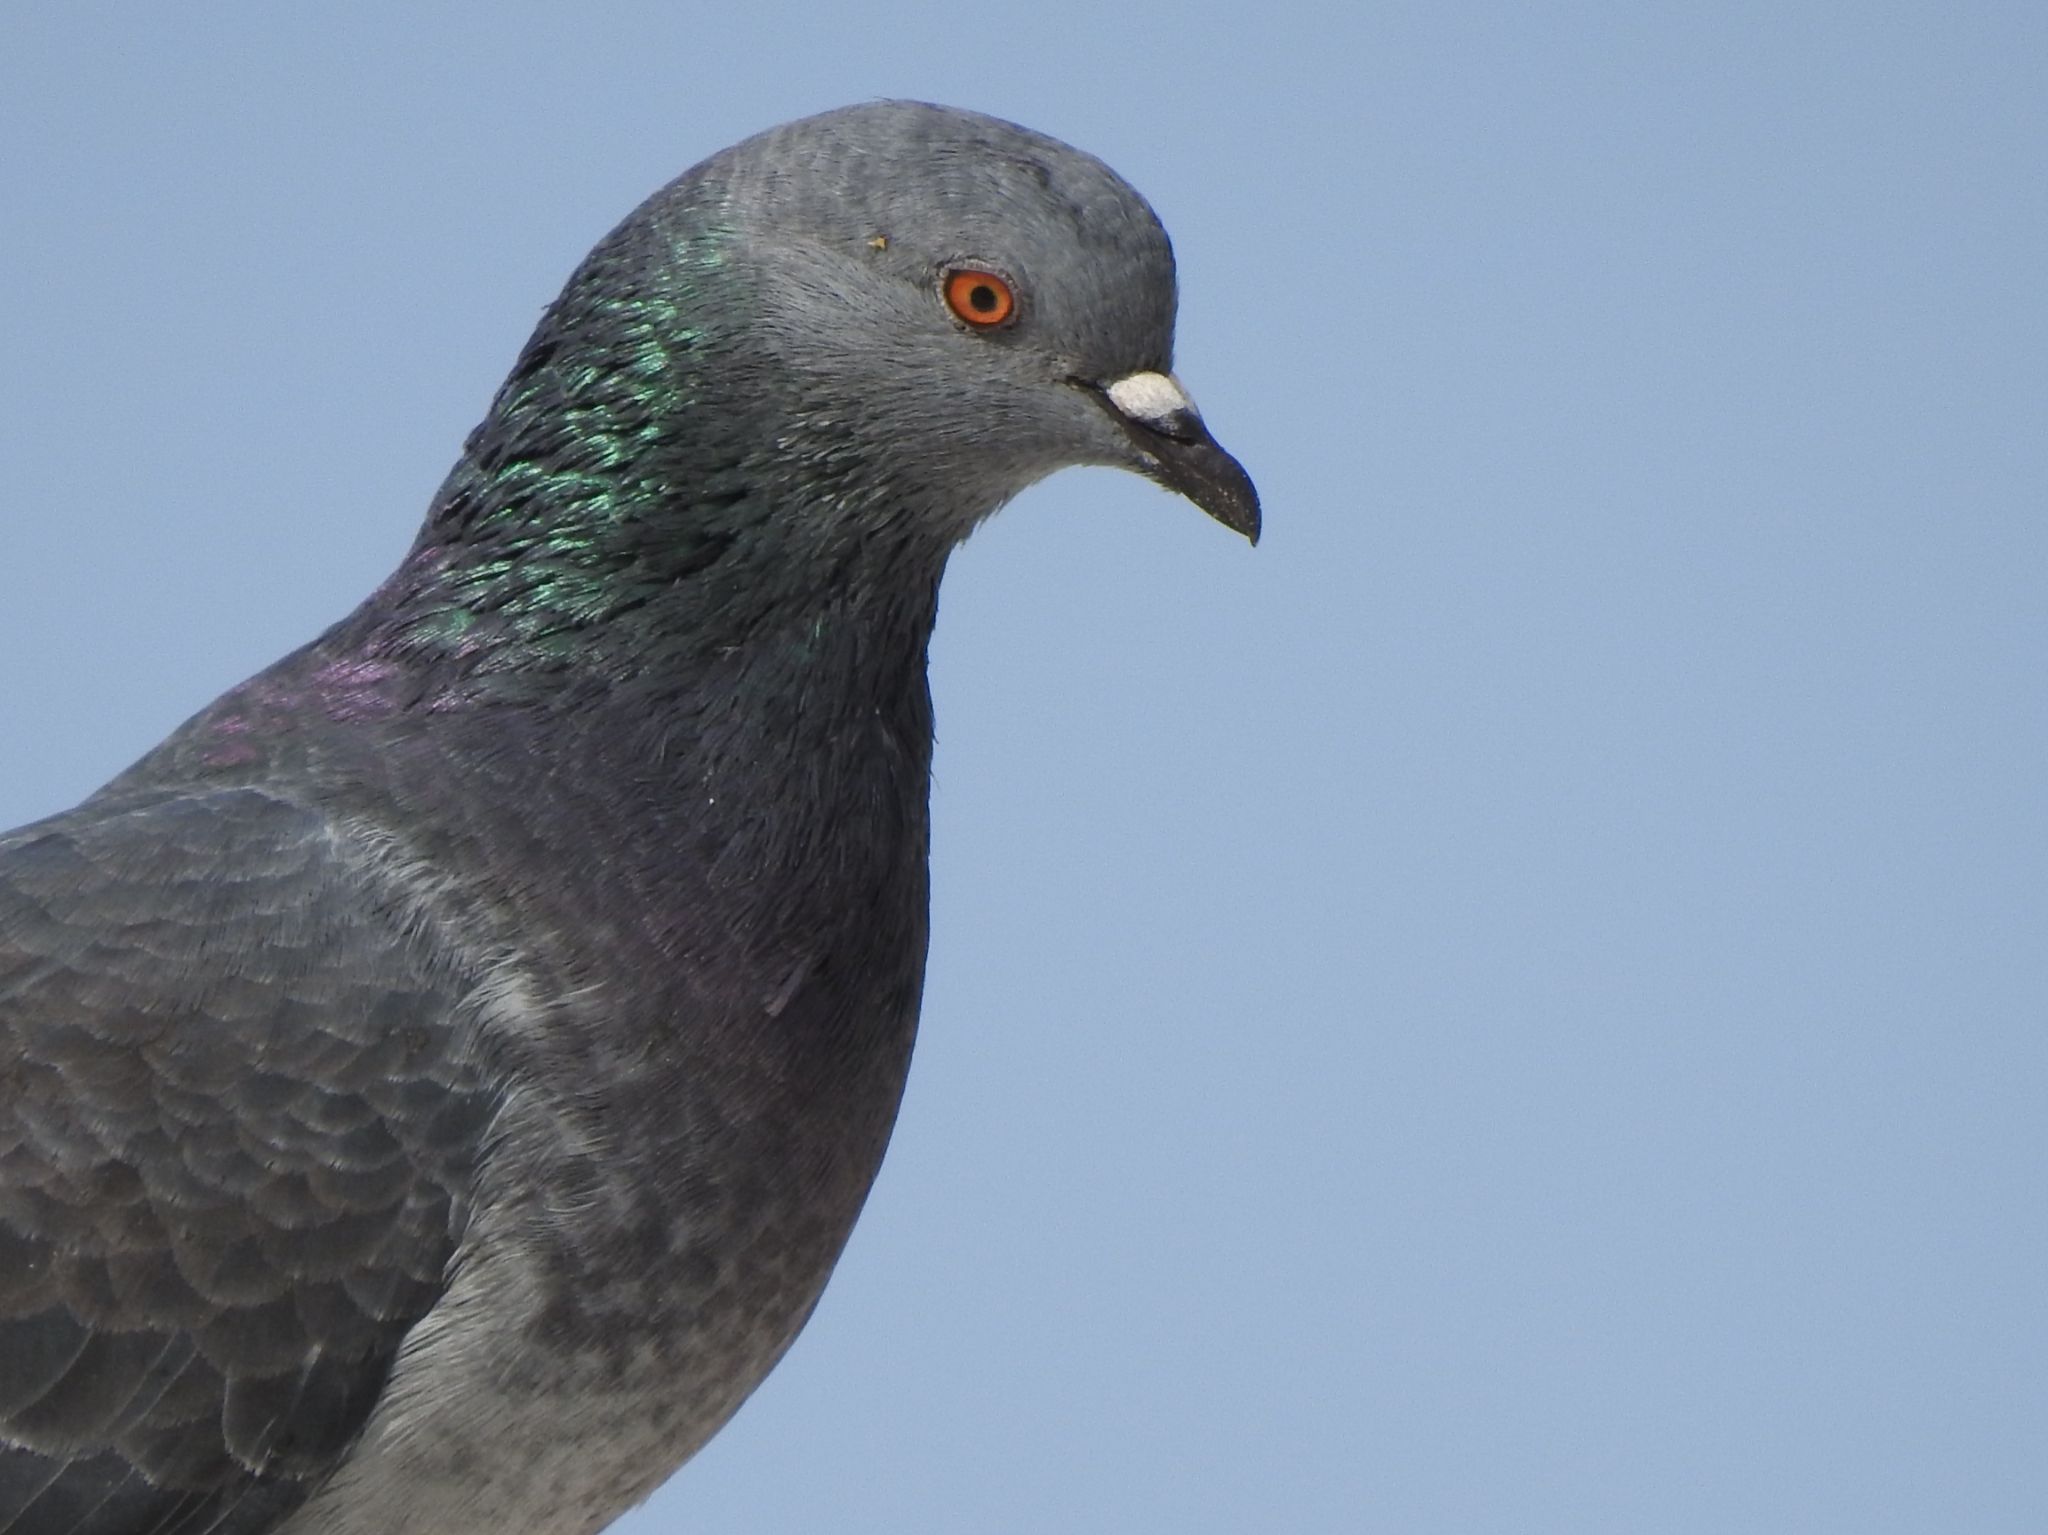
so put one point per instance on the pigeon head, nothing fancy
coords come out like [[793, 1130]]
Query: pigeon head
[[987, 303], [822, 355]]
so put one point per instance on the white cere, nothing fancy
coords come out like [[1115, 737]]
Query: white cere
[[1150, 397]]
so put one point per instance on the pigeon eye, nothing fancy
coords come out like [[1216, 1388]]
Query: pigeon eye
[[980, 298]]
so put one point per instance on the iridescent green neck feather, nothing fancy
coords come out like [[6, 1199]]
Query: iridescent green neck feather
[[624, 492]]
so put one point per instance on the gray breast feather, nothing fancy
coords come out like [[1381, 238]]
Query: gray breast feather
[[238, 1132]]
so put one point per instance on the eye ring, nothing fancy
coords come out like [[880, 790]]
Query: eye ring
[[979, 297]]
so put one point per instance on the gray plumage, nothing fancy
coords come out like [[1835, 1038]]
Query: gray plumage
[[436, 1083]]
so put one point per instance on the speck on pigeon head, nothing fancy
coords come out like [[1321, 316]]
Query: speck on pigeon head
[[974, 304]]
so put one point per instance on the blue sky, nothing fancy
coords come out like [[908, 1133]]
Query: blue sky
[[1515, 1006]]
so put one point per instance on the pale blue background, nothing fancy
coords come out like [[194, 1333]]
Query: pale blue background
[[1517, 1006]]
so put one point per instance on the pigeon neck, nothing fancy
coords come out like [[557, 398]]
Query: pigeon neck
[[650, 483], [519, 583]]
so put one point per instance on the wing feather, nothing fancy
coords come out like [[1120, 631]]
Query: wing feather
[[239, 1121]]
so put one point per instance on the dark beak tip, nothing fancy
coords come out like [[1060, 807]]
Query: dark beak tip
[[1226, 493], [1236, 508]]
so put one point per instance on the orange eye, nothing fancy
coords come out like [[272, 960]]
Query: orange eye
[[982, 299]]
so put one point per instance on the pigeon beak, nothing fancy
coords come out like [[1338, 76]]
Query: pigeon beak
[[1176, 450]]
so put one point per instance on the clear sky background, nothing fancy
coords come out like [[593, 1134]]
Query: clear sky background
[[1517, 1005]]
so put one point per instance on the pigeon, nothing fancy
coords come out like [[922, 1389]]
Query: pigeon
[[437, 1082]]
